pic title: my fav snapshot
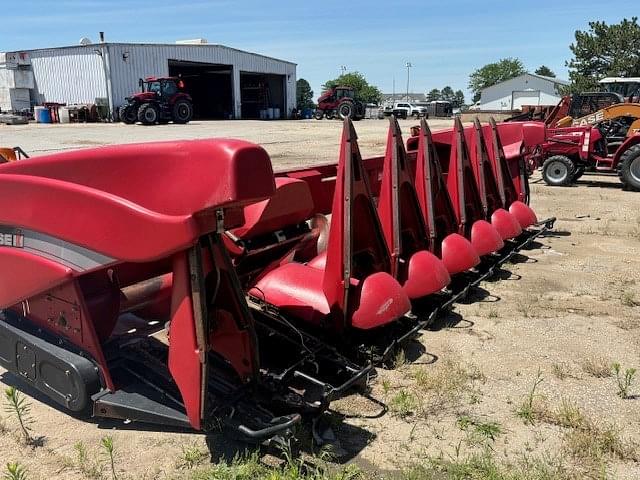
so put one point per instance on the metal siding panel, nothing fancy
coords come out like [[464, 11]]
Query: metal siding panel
[[73, 75]]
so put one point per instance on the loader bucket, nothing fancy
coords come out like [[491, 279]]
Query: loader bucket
[[419, 271], [456, 251]]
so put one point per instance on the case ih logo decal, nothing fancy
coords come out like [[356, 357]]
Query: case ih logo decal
[[11, 240]]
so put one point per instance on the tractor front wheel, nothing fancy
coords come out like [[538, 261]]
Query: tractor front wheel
[[148, 114], [346, 110], [558, 171], [128, 114], [630, 168], [318, 114], [182, 111], [330, 114]]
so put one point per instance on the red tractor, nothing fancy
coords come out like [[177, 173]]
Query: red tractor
[[161, 100], [568, 152], [339, 101]]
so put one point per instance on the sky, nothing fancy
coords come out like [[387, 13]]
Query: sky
[[444, 40]]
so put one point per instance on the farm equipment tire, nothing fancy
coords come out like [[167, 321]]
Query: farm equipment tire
[[330, 114], [558, 171], [318, 114], [148, 114], [630, 168], [346, 110], [128, 114], [182, 111]]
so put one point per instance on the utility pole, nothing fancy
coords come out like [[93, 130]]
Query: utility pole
[[408, 65], [343, 69]]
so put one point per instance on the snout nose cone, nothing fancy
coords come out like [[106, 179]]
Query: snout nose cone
[[458, 254], [523, 213], [382, 301], [485, 238], [426, 275], [506, 224]]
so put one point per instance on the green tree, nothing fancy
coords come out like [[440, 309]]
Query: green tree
[[494, 73], [545, 71], [602, 51], [434, 94], [304, 94], [363, 91], [458, 99], [447, 94]]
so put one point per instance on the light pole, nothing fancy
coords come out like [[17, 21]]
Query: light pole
[[343, 69], [408, 65]]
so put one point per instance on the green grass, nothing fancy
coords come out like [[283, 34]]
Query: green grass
[[88, 467], [624, 381], [14, 471], [192, 456], [484, 466], [18, 405], [403, 404], [446, 386], [479, 430], [527, 411], [251, 468]]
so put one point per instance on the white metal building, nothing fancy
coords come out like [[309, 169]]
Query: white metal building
[[224, 82], [526, 89]]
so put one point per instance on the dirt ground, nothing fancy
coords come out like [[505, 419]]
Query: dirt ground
[[558, 318]]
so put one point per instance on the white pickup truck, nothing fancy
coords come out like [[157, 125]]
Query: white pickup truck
[[404, 110], [412, 110]]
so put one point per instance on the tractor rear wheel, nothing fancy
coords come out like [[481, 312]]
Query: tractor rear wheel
[[182, 111], [630, 168], [128, 114], [558, 171], [148, 114], [346, 110], [318, 114]]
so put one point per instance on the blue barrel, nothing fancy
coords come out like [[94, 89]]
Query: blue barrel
[[42, 114]]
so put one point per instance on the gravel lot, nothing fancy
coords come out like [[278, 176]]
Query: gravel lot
[[565, 311]]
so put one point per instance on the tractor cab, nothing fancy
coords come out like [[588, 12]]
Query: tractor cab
[[344, 92], [629, 87], [336, 94], [161, 87]]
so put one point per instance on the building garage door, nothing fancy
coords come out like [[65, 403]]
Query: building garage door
[[260, 93], [210, 85], [524, 97]]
